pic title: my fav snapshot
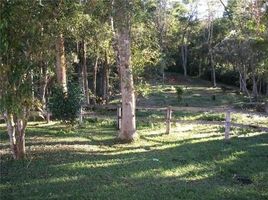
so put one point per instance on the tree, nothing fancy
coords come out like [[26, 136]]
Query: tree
[[18, 44], [123, 23]]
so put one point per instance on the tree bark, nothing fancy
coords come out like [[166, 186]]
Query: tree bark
[[43, 84], [128, 129], [254, 88], [244, 86], [95, 79], [12, 134], [16, 132], [106, 79], [85, 74], [184, 56], [61, 63], [213, 72], [266, 88]]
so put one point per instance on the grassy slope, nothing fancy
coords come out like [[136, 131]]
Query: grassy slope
[[86, 162]]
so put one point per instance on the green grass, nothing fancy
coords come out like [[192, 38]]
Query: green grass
[[196, 96], [87, 162], [193, 162]]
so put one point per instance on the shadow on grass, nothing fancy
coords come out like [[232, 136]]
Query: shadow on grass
[[181, 170]]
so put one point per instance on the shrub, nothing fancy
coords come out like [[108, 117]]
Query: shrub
[[65, 106], [179, 92]]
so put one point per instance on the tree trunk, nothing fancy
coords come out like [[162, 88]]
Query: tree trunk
[[16, 132], [240, 84], [61, 63], [106, 79], [12, 134], [84, 69], [20, 138], [266, 88], [184, 58], [213, 73], [95, 79], [254, 88], [199, 69], [43, 84], [128, 129], [244, 86]]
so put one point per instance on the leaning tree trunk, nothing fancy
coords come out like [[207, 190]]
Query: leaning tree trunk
[[128, 128], [61, 63]]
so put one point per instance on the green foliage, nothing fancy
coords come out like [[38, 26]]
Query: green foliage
[[65, 106], [179, 92], [142, 89]]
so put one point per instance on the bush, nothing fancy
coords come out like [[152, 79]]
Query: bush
[[65, 106], [179, 92]]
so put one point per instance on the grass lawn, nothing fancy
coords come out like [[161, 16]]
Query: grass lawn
[[87, 162], [193, 162]]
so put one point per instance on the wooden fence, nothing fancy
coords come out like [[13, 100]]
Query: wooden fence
[[168, 119]]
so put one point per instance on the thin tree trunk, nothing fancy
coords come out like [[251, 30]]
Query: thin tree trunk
[[254, 88], [85, 74], [266, 88], [61, 63], [95, 79], [184, 58], [240, 84], [43, 84], [199, 69], [244, 86], [12, 134], [213, 72], [106, 79], [260, 86]]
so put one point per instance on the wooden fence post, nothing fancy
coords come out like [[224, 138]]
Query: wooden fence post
[[81, 115], [227, 125], [168, 120], [119, 117]]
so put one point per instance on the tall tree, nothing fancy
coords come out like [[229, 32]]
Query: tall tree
[[123, 23], [18, 43], [61, 62]]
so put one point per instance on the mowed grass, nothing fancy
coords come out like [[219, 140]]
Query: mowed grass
[[87, 162]]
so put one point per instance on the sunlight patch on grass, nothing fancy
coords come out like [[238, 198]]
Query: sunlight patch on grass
[[232, 158]]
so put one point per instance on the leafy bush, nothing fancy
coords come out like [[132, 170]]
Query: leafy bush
[[65, 106], [179, 92]]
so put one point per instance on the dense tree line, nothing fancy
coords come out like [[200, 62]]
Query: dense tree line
[[110, 47]]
